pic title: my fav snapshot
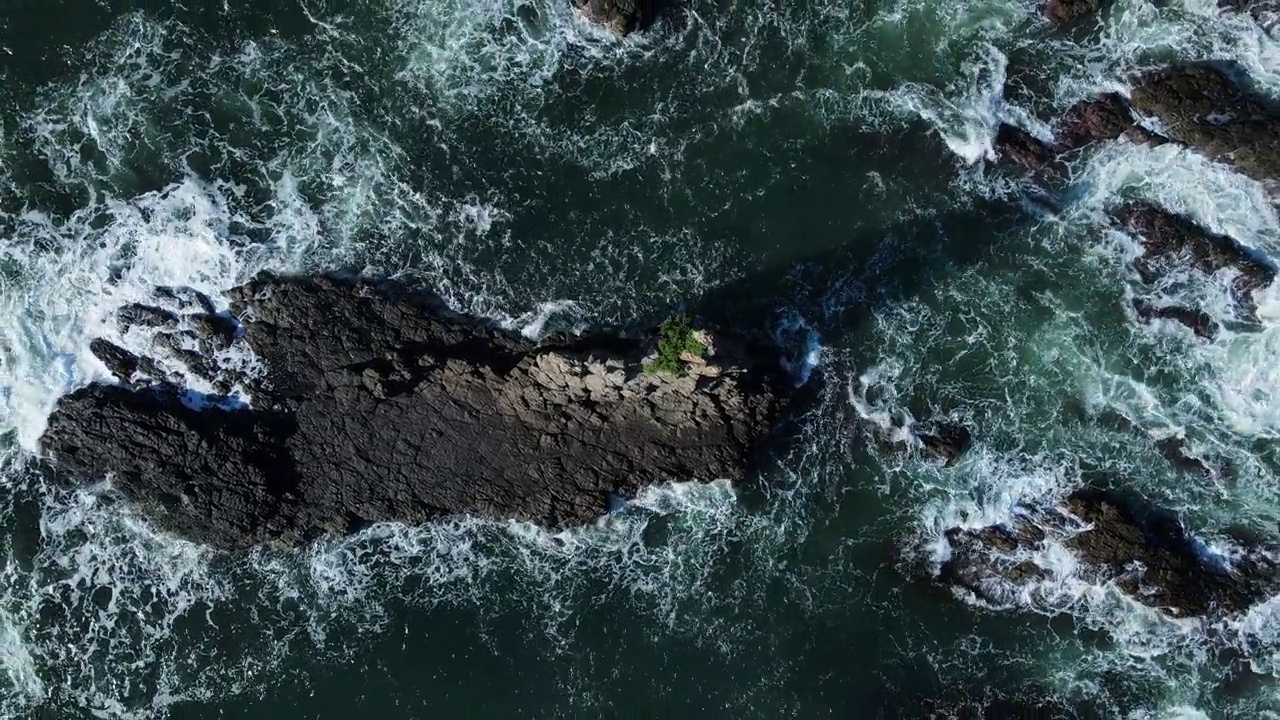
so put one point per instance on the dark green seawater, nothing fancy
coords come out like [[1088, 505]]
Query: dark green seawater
[[821, 169]]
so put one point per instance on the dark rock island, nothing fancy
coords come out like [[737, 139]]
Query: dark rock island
[[371, 402]]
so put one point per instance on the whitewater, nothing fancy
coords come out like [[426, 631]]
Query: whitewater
[[828, 167]]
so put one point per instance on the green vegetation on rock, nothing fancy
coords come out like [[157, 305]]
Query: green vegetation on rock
[[675, 338]]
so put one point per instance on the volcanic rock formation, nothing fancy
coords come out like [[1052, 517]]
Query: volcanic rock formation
[[370, 402]]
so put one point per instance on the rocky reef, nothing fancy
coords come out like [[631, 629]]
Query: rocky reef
[[1103, 536], [1143, 551], [1202, 106], [1171, 241], [621, 16], [1205, 107], [364, 402]]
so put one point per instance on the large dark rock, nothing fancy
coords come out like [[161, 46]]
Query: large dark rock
[[377, 403], [1014, 144], [1171, 241], [1146, 552], [622, 16], [945, 441], [1200, 106], [1205, 108], [1104, 118]]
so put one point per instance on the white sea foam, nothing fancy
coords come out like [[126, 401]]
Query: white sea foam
[[18, 664], [1239, 366], [178, 236], [1139, 35]]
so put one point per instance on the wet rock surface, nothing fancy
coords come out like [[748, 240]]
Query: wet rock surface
[[1104, 118], [1172, 241], [945, 441], [621, 16], [377, 403], [1013, 144], [1201, 106], [1144, 551], [1066, 12], [1204, 107], [1198, 321]]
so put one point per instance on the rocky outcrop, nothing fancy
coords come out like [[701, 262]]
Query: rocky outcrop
[[621, 16], [1172, 241], [1145, 552], [1013, 144], [369, 402], [1065, 12], [1199, 322], [1203, 107], [1200, 106], [945, 441], [1104, 118]]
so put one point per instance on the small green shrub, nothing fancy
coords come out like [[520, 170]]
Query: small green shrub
[[675, 337]]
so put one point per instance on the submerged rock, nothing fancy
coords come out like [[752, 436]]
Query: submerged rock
[[621, 16], [377, 403], [1065, 12], [1145, 552], [1174, 447], [1171, 241], [945, 441], [1200, 323]]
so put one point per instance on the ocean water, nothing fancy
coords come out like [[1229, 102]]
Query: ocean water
[[820, 168]]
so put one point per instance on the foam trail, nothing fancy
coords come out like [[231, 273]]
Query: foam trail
[[966, 117]]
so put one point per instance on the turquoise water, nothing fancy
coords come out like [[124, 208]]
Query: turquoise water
[[821, 169]]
